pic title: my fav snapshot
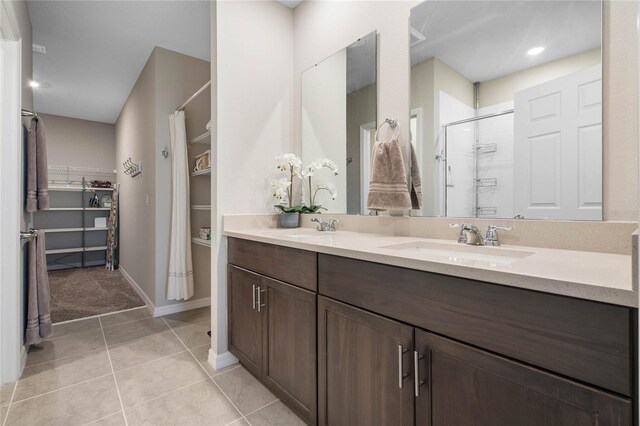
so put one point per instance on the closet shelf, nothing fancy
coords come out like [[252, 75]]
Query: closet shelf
[[202, 138], [200, 241], [200, 207], [75, 250], [73, 209], [201, 172], [75, 188], [54, 230]]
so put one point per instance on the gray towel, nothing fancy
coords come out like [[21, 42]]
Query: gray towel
[[388, 188], [38, 307], [416, 181], [37, 172]]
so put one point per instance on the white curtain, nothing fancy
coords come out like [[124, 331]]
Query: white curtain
[[180, 282]]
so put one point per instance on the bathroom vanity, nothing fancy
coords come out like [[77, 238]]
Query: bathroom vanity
[[347, 333]]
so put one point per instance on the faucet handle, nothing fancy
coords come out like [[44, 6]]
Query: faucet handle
[[492, 235], [462, 239], [332, 224]]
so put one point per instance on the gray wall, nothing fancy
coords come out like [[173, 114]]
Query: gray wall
[[142, 132], [80, 143]]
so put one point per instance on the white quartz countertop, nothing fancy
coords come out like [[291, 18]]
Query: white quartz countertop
[[602, 277]]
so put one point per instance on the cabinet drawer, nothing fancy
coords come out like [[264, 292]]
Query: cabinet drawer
[[298, 267], [589, 341]]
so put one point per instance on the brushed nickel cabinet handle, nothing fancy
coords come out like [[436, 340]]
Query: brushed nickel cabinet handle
[[416, 372], [400, 372], [260, 301], [254, 297]]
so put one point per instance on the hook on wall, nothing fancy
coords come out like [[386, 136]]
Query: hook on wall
[[132, 169], [165, 152]]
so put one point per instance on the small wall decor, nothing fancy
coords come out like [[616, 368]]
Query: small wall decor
[[132, 169], [165, 152]]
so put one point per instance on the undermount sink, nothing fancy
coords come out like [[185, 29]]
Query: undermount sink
[[462, 253]]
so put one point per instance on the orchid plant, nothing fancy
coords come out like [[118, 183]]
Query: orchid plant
[[308, 173], [282, 187]]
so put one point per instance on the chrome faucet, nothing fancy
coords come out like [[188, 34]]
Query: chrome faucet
[[492, 235], [325, 226], [470, 234]]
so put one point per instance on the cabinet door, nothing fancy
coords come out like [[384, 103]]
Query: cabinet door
[[290, 346], [365, 369], [461, 385], [245, 322]]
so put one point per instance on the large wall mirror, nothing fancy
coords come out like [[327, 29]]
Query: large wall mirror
[[506, 108], [338, 123]]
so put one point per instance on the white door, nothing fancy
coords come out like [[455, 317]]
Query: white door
[[558, 148], [11, 210]]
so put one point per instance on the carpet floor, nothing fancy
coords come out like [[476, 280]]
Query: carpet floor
[[84, 292]]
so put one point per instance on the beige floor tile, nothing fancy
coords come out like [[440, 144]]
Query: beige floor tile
[[72, 344], [133, 330], [239, 422], [126, 316], [275, 414], [6, 391], [145, 349], [194, 335], [194, 316], [113, 420], [202, 355], [73, 327], [244, 390], [3, 413], [144, 382], [198, 404], [75, 405], [52, 375]]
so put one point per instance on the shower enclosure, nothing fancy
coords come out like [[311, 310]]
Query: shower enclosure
[[478, 165]]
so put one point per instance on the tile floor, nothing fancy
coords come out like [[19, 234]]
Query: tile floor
[[131, 369]]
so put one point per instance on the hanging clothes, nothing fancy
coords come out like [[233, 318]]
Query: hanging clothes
[[113, 231], [180, 277]]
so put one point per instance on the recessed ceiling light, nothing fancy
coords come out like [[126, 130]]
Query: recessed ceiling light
[[34, 84], [535, 51]]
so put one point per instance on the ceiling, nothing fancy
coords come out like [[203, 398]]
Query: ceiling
[[483, 40], [96, 49], [290, 3]]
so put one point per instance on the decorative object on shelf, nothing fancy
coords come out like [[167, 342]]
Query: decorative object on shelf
[[165, 152], [93, 201], [282, 187], [132, 169], [106, 201], [101, 184], [205, 233], [313, 188], [203, 161]]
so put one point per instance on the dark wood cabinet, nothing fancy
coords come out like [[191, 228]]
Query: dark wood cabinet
[[461, 385], [245, 323], [290, 346], [272, 331], [364, 371]]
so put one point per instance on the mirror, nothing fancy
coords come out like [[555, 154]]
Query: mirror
[[338, 123], [506, 108]]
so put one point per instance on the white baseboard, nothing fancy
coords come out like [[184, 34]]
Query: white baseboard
[[136, 287], [23, 358], [180, 307], [222, 360], [158, 311]]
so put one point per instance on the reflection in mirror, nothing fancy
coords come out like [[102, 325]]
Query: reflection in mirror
[[338, 123], [506, 108]]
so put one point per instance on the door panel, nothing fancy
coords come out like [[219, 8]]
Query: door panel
[[290, 346], [558, 148], [466, 386], [245, 322], [359, 368]]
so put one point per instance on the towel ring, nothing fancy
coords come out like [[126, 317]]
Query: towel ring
[[393, 124]]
